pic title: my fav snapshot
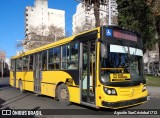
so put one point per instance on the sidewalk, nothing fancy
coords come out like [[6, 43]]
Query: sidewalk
[[154, 91]]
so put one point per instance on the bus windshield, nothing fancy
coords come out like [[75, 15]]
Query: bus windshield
[[122, 60]]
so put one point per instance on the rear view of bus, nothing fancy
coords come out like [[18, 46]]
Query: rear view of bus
[[121, 77]]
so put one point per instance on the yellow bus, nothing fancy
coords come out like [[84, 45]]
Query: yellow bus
[[99, 68]]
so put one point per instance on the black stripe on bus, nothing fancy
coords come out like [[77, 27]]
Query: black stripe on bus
[[26, 80], [48, 83]]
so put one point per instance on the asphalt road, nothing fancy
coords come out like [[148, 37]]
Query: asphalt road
[[12, 98]]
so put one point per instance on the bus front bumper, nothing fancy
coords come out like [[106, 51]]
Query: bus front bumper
[[122, 104]]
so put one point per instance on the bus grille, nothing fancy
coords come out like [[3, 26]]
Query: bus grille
[[129, 91]]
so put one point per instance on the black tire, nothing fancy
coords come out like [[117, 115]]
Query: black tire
[[56, 94], [20, 86], [63, 94]]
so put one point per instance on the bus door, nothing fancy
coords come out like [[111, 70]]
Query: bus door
[[14, 72], [37, 73], [87, 70]]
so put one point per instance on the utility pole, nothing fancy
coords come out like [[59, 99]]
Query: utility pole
[[110, 20]]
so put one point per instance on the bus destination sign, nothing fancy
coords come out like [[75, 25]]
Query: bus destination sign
[[121, 34]]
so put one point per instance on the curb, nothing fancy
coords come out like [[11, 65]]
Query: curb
[[156, 95]]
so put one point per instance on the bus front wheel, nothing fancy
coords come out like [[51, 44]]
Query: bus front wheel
[[63, 94]]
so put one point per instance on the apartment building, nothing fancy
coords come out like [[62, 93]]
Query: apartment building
[[40, 17], [84, 18]]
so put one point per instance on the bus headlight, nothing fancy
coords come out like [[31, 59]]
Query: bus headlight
[[109, 91], [144, 88], [113, 91]]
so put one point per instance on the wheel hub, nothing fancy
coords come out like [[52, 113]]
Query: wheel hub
[[64, 94]]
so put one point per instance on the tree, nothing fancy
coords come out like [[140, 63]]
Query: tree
[[39, 36], [82, 28], [96, 4], [136, 15], [155, 6]]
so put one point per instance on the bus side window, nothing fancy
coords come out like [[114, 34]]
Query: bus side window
[[50, 59], [31, 63], [25, 63], [44, 60], [57, 58], [54, 58], [19, 64], [73, 56], [64, 56], [12, 65]]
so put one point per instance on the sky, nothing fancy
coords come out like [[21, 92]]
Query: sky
[[12, 21]]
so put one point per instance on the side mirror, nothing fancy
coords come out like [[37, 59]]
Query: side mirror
[[103, 50]]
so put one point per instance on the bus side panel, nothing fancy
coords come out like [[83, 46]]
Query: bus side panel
[[50, 79], [48, 89], [19, 76], [29, 81], [74, 94], [11, 81]]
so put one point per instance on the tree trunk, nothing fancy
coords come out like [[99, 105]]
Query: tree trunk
[[96, 14], [148, 63], [157, 18], [159, 49]]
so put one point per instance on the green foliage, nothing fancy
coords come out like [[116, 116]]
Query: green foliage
[[153, 81], [136, 15]]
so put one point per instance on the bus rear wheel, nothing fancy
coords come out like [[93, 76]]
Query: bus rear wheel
[[63, 94]]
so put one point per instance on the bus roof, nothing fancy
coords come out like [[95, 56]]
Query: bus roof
[[54, 44]]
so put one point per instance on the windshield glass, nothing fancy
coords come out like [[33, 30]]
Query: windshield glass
[[122, 60], [116, 62]]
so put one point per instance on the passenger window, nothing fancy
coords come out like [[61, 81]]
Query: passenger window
[[70, 56], [13, 65], [54, 58], [19, 64], [73, 57], [25, 63], [56, 55], [65, 56], [31, 63], [44, 60]]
